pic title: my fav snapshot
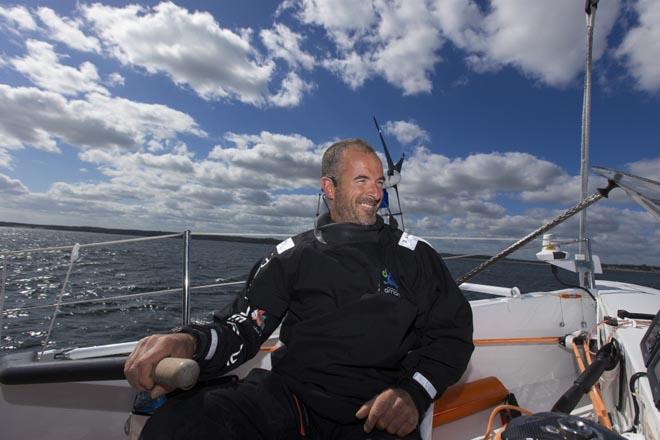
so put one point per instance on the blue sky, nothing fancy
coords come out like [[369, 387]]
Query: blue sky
[[212, 115]]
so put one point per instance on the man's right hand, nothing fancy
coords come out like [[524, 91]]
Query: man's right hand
[[141, 364]]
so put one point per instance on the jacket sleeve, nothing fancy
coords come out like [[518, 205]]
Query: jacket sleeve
[[444, 327], [237, 332]]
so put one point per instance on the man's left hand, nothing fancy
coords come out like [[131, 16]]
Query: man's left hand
[[393, 411]]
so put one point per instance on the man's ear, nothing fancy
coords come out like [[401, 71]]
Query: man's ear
[[328, 187]]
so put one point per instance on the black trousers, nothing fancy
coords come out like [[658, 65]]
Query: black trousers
[[260, 407]]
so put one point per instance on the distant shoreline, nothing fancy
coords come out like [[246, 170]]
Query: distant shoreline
[[148, 233], [135, 232]]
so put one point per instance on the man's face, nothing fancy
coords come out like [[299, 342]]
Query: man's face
[[359, 189]]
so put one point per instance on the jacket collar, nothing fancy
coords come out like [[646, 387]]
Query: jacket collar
[[339, 233]]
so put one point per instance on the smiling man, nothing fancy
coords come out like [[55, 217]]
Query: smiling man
[[373, 329], [361, 179]]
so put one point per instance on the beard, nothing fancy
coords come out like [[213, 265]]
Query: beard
[[362, 212]]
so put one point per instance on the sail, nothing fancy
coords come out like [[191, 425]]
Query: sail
[[645, 192]]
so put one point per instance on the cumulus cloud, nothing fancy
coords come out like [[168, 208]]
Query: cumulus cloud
[[19, 16], [116, 79], [41, 65], [292, 91], [230, 185], [40, 119], [482, 173], [5, 158], [561, 189], [406, 132], [352, 68], [640, 48], [11, 186], [67, 31], [397, 40], [401, 41], [191, 48], [264, 160], [345, 21], [538, 40], [283, 43]]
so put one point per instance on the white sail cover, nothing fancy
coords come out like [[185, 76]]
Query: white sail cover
[[645, 192]]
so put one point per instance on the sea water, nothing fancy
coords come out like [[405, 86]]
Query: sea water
[[127, 270]]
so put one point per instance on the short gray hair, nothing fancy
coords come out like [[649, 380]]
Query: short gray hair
[[333, 155]]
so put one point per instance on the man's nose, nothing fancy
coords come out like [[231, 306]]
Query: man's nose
[[375, 190]]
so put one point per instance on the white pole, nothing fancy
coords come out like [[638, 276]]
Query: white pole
[[586, 116]]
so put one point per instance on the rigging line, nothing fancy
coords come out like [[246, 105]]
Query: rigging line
[[74, 258], [127, 296], [86, 245]]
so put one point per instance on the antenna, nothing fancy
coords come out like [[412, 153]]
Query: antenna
[[392, 181]]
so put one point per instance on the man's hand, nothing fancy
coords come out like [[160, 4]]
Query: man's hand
[[140, 365], [393, 411]]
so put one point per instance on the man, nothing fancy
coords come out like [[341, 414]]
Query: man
[[374, 330]]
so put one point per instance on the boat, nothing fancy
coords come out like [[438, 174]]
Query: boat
[[527, 350], [582, 362]]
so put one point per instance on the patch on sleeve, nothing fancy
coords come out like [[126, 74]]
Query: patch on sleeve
[[424, 382], [408, 241], [285, 245]]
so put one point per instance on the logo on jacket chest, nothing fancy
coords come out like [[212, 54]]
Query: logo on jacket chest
[[387, 283]]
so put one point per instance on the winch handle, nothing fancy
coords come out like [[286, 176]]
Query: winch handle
[[178, 373]]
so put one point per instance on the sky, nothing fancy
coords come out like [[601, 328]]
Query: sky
[[212, 116]]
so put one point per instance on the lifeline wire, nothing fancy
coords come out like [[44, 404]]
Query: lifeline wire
[[120, 297], [102, 243]]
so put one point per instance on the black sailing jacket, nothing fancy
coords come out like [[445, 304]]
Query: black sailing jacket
[[365, 308]]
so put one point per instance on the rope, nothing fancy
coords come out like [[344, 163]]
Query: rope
[[74, 258], [88, 245], [120, 297]]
